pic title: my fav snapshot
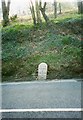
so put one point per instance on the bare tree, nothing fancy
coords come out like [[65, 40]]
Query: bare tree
[[60, 10], [55, 8], [33, 13], [80, 6], [38, 12], [43, 10], [5, 11]]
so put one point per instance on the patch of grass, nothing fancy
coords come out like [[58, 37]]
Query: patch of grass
[[67, 17], [17, 33]]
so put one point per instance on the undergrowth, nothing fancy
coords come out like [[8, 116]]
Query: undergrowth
[[24, 47]]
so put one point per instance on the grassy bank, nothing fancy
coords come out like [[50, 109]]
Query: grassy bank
[[59, 45]]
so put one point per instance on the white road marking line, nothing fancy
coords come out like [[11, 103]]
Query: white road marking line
[[53, 81], [43, 110]]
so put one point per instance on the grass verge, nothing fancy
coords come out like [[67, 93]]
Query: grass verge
[[25, 46]]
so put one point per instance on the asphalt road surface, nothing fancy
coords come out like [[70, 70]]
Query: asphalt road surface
[[42, 95]]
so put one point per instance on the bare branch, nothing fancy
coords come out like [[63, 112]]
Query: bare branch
[[8, 6], [45, 5], [40, 4]]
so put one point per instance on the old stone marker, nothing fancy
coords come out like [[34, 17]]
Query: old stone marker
[[42, 71]]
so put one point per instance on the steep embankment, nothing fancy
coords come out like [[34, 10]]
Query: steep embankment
[[25, 46]]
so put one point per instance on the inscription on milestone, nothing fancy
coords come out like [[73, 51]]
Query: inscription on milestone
[[42, 71]]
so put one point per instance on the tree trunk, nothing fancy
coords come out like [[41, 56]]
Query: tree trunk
[[33, 13], [5, 11], [80, 7], [45, 16], [60, 8], [38, 13], [43, 9], [55, 8]]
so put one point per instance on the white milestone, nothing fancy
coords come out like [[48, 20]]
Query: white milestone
[[42, 71]]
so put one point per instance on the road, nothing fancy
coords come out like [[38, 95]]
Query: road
[[41, 95]]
